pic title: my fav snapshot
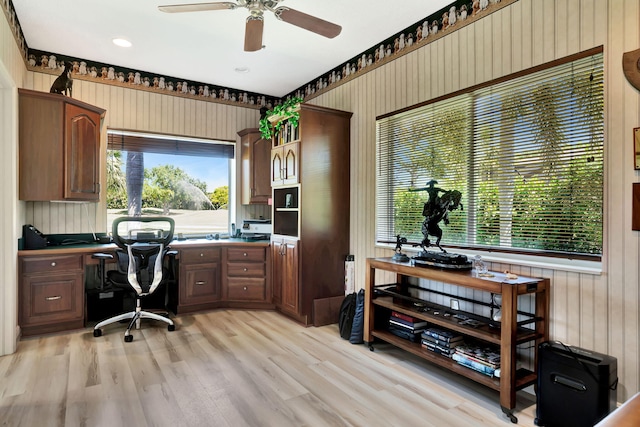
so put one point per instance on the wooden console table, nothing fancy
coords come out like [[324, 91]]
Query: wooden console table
[[382, 299]]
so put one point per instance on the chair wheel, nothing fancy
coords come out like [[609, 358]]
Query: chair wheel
[[128, 338], [171, 327], [97, 332]]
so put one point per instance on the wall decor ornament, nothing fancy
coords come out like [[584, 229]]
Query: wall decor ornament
[[631, 67]]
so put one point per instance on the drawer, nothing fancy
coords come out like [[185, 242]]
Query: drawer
[[52, 298], [249, 269], [51, 264], [246, 254], [199, 255], [246, 289]]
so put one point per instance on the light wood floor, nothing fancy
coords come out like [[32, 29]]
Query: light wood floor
[[235, 368]]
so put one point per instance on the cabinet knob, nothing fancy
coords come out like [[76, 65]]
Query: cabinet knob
[[245, 288], [244, 254], [201, 255], [200, 282], [53, 264], [53, 298], [244, 269]]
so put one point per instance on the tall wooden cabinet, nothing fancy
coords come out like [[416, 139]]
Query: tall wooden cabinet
[[310, 215], [59, 148], [255, 155]]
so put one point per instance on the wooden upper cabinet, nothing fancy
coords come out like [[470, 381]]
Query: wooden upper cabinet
[[255, 152], [59, 148]]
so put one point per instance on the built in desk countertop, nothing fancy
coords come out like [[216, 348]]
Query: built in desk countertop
[[90, 248]]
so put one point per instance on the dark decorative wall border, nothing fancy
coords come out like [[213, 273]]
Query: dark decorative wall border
[[432, 28]]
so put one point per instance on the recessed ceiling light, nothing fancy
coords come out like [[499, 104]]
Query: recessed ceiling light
[[121, 42], [242, 69]]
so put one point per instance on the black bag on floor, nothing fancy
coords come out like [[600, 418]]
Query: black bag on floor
[[347, 312], [357, 329]]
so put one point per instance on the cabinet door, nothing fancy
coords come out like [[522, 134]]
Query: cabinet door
[[290, 290], [199, 283], [255, 158], [276, 271], [82, 154], [260, 171], [277, 166], [290, 158]]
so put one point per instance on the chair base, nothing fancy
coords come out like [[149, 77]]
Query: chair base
[[136, 317]]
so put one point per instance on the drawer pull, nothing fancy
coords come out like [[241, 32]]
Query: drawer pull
[[245, 288], [244, 254], [245, 269], [200, 282], [201, 255], [53, 264], [54, 298]]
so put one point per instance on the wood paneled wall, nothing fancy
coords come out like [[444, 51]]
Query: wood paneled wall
[[594, 311]]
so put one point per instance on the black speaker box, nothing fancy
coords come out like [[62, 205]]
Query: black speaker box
[[576, 387]]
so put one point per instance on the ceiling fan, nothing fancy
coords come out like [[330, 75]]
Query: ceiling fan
[[255, 21]]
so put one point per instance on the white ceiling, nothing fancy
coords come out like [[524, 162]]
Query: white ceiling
[[207, 47]]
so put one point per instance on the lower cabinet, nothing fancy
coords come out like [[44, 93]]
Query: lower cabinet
[[51, 294], [199, 280], [225, 276]]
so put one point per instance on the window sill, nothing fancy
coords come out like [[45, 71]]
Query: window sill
[[533, 261]]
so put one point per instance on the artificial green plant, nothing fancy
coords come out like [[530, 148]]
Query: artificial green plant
[[288, 113]]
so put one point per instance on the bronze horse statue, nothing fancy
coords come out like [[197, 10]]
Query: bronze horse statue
[[437, 209]]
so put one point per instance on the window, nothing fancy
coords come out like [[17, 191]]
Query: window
[[526, 152], [188, 179]]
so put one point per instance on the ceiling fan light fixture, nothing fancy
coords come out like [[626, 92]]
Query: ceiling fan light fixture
[[255, 23]]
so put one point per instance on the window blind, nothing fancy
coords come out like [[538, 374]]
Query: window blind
[[165, 144], [525, 152]]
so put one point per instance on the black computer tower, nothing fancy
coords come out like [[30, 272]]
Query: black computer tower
[[576, 387]]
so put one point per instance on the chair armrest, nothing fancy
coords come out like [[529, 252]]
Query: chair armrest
[[101, 256]]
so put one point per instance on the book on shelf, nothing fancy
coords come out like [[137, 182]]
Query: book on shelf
[[453, 343], [404, 333], [405, 317], [443, 351], [442, 334], [484, 355], [418, 326], [469, 363]]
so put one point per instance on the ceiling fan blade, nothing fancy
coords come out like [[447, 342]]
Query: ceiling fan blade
[[308, 22], [197, 7], [253, 34]]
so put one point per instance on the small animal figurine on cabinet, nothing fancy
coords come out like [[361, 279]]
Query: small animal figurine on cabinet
[[64, 83]]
